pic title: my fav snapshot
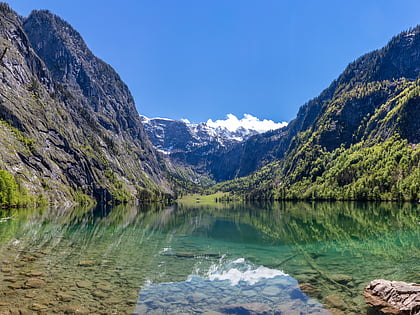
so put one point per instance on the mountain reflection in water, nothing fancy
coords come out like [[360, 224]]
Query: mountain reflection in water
[[116, 259]]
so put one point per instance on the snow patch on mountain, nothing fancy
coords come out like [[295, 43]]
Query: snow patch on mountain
[[248, 122], [169, 135]]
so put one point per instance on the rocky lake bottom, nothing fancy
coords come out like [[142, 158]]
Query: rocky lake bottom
[[285, 258]]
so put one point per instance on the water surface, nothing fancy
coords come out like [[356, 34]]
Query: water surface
[[314, 258]]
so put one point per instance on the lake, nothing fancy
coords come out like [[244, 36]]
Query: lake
[[278, 258]]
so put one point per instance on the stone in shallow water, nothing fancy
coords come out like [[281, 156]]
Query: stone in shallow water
[[131, 303], [307, 278], [20, 264], [99, 294], [75, 309], [341, 278], [248, 309], [10, 279], [14, 286], [197, 297], [86, 263], [6, 270], [336, 311], [249, 293], [393, 297], [142, 309], [21, 311], [29, 258], [38, 307], [297, 307], [297, 294], [12, 311], [271, 291], [335, 301], [35, 274], [310, 290], [64, 297], [84, 284], [104, 286], [34, 283]]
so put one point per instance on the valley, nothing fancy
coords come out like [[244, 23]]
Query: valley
[[70, 130], [105, 210]]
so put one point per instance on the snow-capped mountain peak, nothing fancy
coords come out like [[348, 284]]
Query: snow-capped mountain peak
[[169, 135]]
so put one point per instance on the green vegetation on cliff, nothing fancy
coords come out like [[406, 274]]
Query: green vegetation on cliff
[[359, 143], [13, 193], [358, 140], [384, 171]]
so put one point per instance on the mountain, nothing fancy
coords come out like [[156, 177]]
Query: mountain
[[201, 146], [170, 136], [69, 127], [357, 140], [69, 130]]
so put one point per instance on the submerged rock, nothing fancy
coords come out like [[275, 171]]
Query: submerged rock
[[86, 263], [6, 270], [342, 279], [39, 307], [34, 283], [35, 274], [104, 286], [74, 309], [64, 297], [84, 284], [99, 294], [10, 279], [249, 308], [393, 297], [310, 290], [335, 301]]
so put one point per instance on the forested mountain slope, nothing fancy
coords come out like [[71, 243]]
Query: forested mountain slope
[[357, 140], [68, 124]]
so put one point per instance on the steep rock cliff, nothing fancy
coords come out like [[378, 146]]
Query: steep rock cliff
[[69, 124]]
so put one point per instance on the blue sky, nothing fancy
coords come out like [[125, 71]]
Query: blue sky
[[204, 59]]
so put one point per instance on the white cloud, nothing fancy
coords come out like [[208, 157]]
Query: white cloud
[[232, 123]]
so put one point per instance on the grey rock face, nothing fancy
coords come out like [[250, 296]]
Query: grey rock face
[[68, 122], [97, 86]]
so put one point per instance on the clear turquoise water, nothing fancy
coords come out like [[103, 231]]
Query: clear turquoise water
[[195, 259]]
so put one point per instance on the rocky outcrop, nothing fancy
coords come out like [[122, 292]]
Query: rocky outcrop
[[393, 297]]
